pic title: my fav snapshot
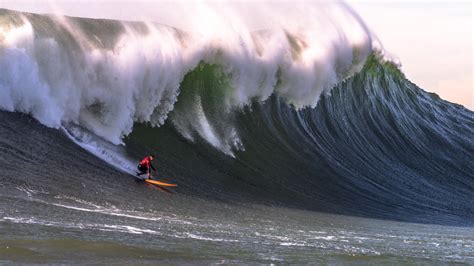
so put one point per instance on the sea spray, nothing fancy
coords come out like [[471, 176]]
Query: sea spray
[[105, 75]]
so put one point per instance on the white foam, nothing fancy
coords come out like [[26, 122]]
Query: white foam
[[126, 229], [112, 154], [307, 47], [289, 244], [112, 211], [101, 227], [204, 238]]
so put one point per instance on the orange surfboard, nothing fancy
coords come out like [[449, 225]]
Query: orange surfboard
[[156, 182]]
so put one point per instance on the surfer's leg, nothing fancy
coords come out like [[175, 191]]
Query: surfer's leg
[[141, 170], [149, 173]]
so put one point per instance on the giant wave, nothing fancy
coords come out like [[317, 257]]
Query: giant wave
[[279, 116]]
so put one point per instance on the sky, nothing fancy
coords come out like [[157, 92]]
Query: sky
[[433, 40]]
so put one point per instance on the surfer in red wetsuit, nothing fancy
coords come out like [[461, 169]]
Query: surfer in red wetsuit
[[145, 166]]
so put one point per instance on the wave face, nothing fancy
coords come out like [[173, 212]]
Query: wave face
[[375, 146], [265, 116]]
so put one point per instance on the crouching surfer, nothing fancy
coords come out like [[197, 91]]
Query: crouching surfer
[[145, 166]]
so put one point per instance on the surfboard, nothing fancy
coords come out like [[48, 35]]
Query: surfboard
[[162, 189], [159, 183]]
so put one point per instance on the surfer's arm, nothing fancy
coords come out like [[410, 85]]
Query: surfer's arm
[[151, 166]]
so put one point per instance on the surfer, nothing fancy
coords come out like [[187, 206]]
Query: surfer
[[145, 166]]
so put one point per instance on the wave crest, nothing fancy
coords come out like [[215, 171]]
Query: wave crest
[[105, 75]]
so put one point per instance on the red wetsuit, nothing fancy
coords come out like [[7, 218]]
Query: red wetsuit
[[145, 165]]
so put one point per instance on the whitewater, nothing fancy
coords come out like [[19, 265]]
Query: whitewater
[[294, 140], [105, 75]]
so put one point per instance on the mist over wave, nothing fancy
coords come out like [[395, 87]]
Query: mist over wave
[[105, 75]]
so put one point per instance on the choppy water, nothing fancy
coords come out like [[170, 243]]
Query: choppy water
[[64, 230]]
